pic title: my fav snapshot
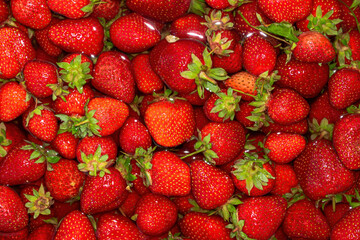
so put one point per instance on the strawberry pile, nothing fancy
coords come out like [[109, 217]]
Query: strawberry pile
[[179, 119]]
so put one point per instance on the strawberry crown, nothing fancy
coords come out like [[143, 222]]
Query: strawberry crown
[[321, 130], [3, 140], [59, 90], [205, 77], [217, 21], [353, 109], [123, 165], [39, 202], [341, 45], [95, 163], [42, 153], [75, 73], [227, 104], [323, 24], [237, 226], [219, 46], [296, 194]]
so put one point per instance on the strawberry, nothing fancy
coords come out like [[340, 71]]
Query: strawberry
[[345, 46], [74, 10], [155, 214], [13, 217], [65, 180], [183, 203], [127, 208], [201, 226], [304, 220], [259, 55], [163, 11], [346, 140], [284, 147], [232, 63], [44, 232], [78, 35], [320, 171], [298, 128], [113, 76], [210, 186], [285, 10], [341, 209], [253, 214], [347, 15], [170, 120], [102, 194], [37, 201], [21, 234], [33, 14], [65, 144], [10, 136], [145, 78], [344, 87], [61, 209], [144, 30], [16, 50], [243, 82], [41, 122], [313, 47], [308, 79], [42, 38], [245, 112], [75, 225], [348, 226], [107, 9], [112, 226], [4, 11], [285, 179], [189, 26]]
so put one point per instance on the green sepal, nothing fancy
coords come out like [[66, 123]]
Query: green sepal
[[341, 45], [294, 196], [42, 153], [237, 226], [355, 4], [219, 46], [90, 7], [227, 104], [36, 111], [96, 163], [353, 109], [321, 130], [198, 7], [143, 161], [3, 140], [322, 23], [229, 208], [216, 21], [39, 202]]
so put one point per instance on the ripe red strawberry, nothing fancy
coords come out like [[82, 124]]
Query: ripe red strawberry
[[320, 172], [61, 209], [107, 9], [210, 186], [201, 226], [344, 87], [259, 55], [155, 214], [285, 10], [76, 9], [111, 226], [308, 79], [243, 82], [113, 76], [13, 216], [65, 180], [284, 147], [15, 51], [189, 26], [346, 139], [232, 63], [65, 144], [313, 47], [170, 121], [254, 214], [146, 79], [144, 30], [42, 38], [348, 226], [163, 11], [78, 35], [304, 220], [18, 167], [183, 203], [341, 209], [102, 194], [75, 225], [21, 234], [4, 11], [41, 122], [33, 14], [43, 232], [285, 179], [10, 136], [297, 128], [347, 15], [127, 208]]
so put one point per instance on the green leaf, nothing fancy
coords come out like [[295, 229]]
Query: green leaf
[[282, 29]]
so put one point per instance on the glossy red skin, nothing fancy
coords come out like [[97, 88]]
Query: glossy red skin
[[208, 194], [285, 179], [103, 193], [14, 215], [232, 63], [209, 105], [89, 145], [168, 60], [298, 128], [285, 10], [259, 55], [65, 180], [34, 14], [14, 134], [113, 226], [189, 26], [200, 226], [163, 11], [84, 58], [347, 227], [65, 144], [87, 37], [107, 10], [344, 88], [41, 36], [308, 79], [156, 214], [218, 4], [16, 50], [69, 9], [4, 11], [129, 205], [142, 36], [195, 99], [75, 225], [17, 168], [262, 215], [346, 140], [304, 220], [43, 232], [227, 139], [341, 209], [113, 76], [320, 171]]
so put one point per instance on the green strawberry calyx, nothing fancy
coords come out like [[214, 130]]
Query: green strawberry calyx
[[3, 140], [90, 7], [341, 45], [353, 109], [217, 21], [123, 165], [42, 153], [322, 24], [227, 104], [321, 130], [95, 163], [39, 202], [219, 46], [237, 226], [204, 75], [143, 161]]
